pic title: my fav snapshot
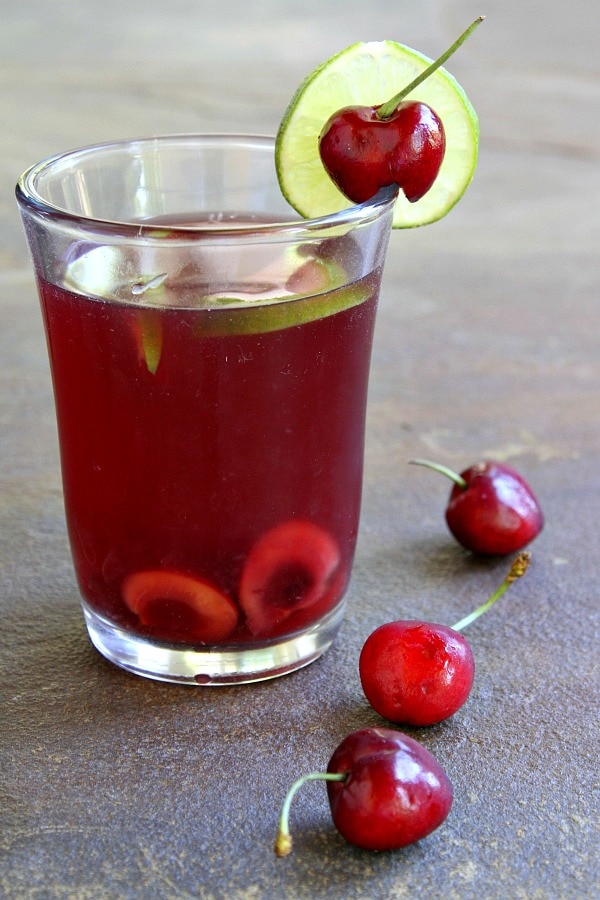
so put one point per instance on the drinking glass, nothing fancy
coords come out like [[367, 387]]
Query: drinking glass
[[210, 354]]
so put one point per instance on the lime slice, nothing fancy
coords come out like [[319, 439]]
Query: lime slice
[[369, 74], [147, 324], [277, 316]]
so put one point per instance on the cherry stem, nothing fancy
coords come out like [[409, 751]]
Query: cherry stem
[[283, 842], [387, 109], [443, 470], [518, 568]]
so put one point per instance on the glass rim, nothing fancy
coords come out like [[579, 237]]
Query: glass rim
[[29, 197]]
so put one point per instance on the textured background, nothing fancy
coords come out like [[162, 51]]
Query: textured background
[[487, 345]]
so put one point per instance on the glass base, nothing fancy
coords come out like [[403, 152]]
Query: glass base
[[240, 664]]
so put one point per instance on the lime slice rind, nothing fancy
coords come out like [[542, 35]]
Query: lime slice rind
[[290, 313], [369, 74]]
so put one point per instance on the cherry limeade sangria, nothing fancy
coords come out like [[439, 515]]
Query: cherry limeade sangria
[[210, 354]]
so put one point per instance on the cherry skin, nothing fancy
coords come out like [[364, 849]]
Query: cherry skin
[[420, 673], [395, 792], [417, 673], [363, 152], [491, 510], [497, 512], [385, 791]]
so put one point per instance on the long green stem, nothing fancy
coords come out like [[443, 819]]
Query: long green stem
[[443, 470], [518, 568], [283, 842], [387, 109]]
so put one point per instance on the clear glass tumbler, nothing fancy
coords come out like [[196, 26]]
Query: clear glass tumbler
[[210, 355]]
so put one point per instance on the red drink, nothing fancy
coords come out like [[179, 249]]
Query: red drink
[[216, 462]]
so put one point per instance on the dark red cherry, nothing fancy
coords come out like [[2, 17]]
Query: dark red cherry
[[363, 152], [385, 791], [394, 792], [491, 510]]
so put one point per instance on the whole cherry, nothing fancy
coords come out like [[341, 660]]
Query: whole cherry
[[400, 142], [491, 510], [420, 673], [364, 151], [385, 791]]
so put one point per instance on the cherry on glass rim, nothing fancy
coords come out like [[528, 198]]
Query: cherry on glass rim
[[363, 152], [400, 142], [420, 673], [385, 791], [491, 510]]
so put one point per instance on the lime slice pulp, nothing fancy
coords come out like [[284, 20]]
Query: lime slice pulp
[[369, 74]]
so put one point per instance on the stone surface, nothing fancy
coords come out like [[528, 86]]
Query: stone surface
[[487, 345]]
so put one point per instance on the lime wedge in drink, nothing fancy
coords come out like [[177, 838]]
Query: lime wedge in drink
[[369, 74], [276, 316]]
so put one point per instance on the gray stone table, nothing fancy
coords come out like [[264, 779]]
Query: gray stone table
[[488, 344]]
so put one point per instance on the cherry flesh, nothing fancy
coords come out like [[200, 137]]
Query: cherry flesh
[[420, 673], [174, 604], [363, 152], [491, 510], [385, 791], [400, 142], [292, 576], [292, 568]]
